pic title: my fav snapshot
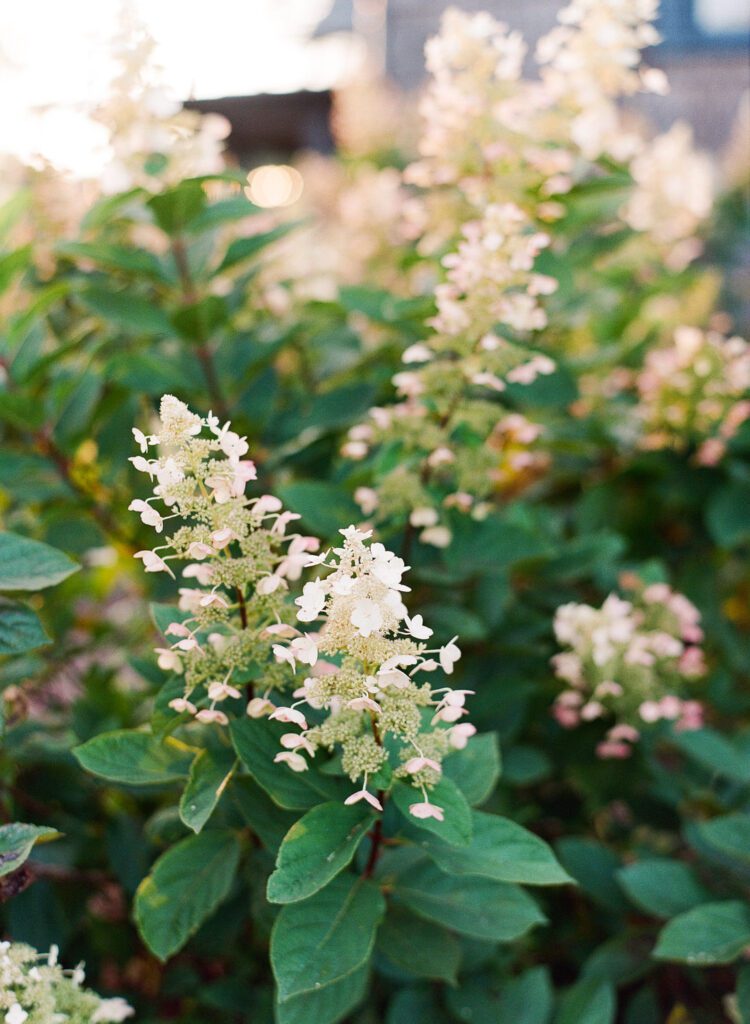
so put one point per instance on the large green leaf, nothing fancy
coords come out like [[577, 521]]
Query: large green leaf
[[327, 1005], [135, 758], [209, 775], [588, 1002], [29, 565], [593, 866], [16, 842], [478, 907], [729, 834], [315, 849], [662, 887], [256, 741], [502, 850], [242, 249], [176, 208], [20, 628], [185, 885], [526, 999], [138, 262], [714, 933], [325, 938], [127, 311], [325, 507], [714, 752], [476, 768], [269, 822], [418, 947], [456, 827]]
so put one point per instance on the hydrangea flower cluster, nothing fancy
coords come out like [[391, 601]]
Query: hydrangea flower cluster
[[152, 138], [625, 660], [673, 195], [35, 989], [694, 391], [239, 557], [363, 669]]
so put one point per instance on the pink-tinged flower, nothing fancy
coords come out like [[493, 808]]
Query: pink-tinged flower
[[691, 716], [363, 794], [220, 691], [416, 764], [427, 810], [282, 521], [213, 600], [268, 585], [149, 515], [153, 562], [293, 741], [143, 465], [212, 716], [266, 504], [367, 499], [141, 440], [448, 714], [670, 706], [168, 660], [180, 704], [282, 653], [440, 457], [436, 536], [417, 629], [295, 761], [363, 704], [202, 573], [177, 629], [243, 472], [449, 655], [650, 711], [623, 732], [280, 629], [222, 538], [459, 735], [366, 617], [290, 715], [608, 749], [259, 707], [305, 649], [199, 551], [456, 698]]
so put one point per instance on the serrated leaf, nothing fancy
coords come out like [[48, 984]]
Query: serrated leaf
[[502, 850], [209, 776], [16, 842], [325, 938], [184, 887], [257, 741], [135, 758], [20, 628], [476, 768], [30, 565], [456, 827], [714, 933], [315, 849], [478, 907], [418, 947]]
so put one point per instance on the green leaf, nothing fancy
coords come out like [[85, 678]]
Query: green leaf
[[16, 842], [714, 933], [127, 311], [139, 262], [714, 752], [200, 320], [456, 828], [328, 1005], [662, 887], [315, 849], [135, 758], [29, 565], [268, 821], [476, 768], [478, 907], [417, 947], [257, 741], [209, 775], [526, 999], [185, 885], [588, 1002], [323, 506], [176, 208], [524, 765], [728, 514], [213, 216], [743, 994], [730, 834], [20, 628], [325, 938], [593, 866], [502, 850], [243, 248]]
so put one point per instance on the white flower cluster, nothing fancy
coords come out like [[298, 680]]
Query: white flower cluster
[[152, 138], [673, 195], [35, 989], [231, 543], [694, 390], [360, 669], [624, 661], [592, 58]]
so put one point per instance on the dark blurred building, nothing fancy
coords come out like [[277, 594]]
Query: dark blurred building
[[705, 51]]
